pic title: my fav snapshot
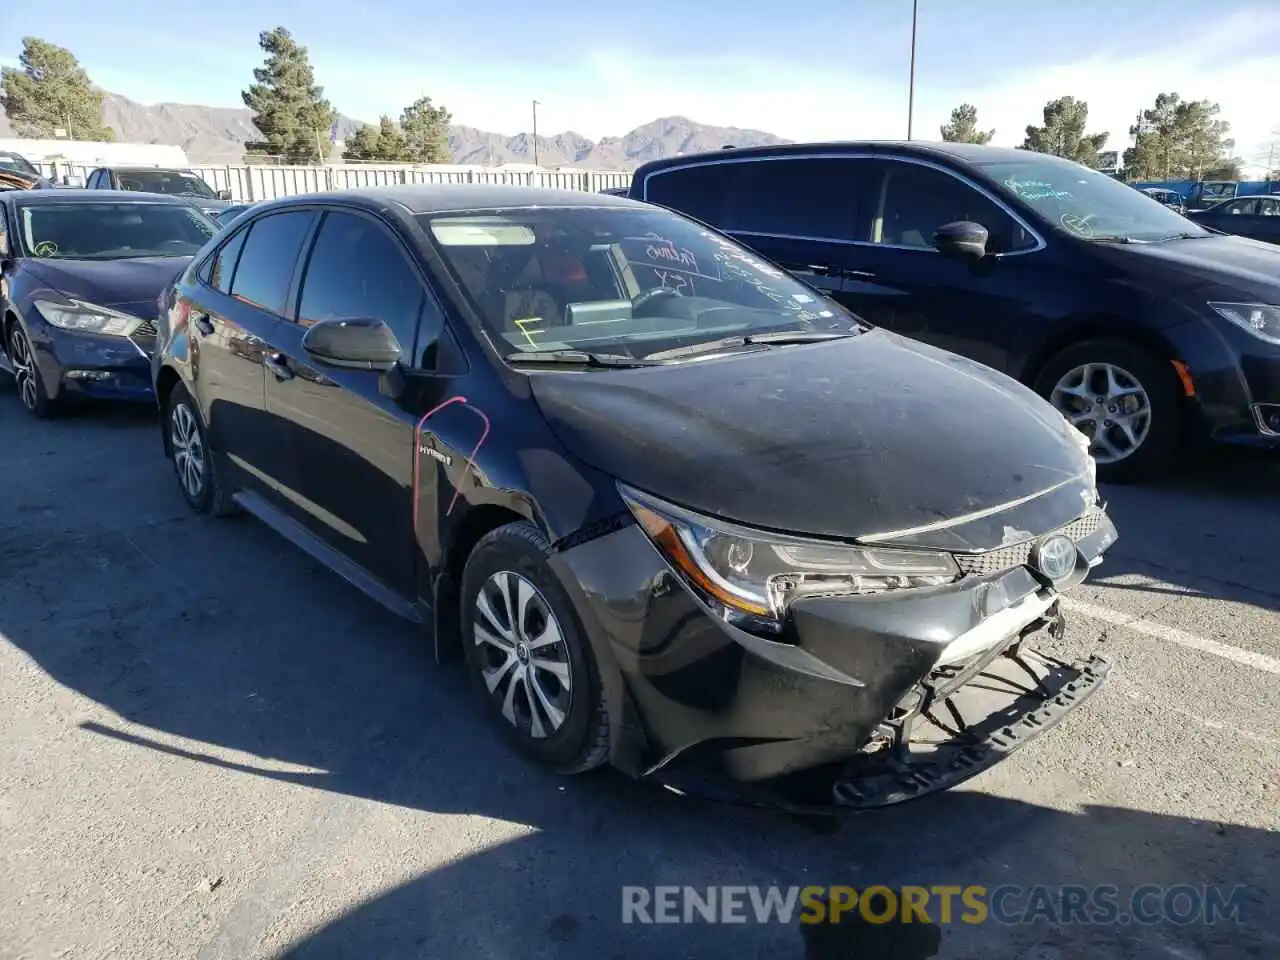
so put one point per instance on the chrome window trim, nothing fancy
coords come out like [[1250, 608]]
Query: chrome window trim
[[1039, 245]]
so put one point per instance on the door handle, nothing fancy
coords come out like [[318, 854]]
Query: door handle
[[203, 324], [278, 364]]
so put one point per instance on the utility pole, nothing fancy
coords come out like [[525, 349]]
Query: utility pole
[[911, 89], [535, 132]]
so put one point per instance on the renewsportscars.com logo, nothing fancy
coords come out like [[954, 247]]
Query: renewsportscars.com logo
[[1008, 904]]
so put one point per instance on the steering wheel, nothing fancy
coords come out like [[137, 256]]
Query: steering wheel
[[653, 294]]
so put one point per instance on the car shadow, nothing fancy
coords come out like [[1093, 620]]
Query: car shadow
[[559, 892]]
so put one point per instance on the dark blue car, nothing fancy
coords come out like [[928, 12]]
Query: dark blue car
[[80, 275]]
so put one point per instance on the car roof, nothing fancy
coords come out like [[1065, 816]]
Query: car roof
[[965, 152], [63, 194], [142, 169], [455, 197]]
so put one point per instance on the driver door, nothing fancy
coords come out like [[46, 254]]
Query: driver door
[[979, 310], [350, 444]]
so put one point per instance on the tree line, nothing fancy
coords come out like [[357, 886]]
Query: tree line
[[1175, 139], [49, 95]]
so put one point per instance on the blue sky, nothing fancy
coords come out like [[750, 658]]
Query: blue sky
[[828, 69]]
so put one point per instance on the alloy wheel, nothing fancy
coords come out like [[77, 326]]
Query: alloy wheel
[[523, 658], [1108, 405], [24, 368], [188, 450]]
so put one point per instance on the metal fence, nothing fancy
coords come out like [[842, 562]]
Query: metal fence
[[251, 184]]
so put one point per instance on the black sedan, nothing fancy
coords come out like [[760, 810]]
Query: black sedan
[[82, 273], [681, 514], [1255, 217]]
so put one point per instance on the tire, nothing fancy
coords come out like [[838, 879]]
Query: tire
[[1133, 366], [516, 555], [26, 376], [194, 464]]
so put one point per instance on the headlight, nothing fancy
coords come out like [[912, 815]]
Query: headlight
[[760, 574], [1260, 319], [88, 318]]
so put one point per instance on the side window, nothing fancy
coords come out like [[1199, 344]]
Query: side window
[[1268, 207], [222, 266], [1243, 207], [269, 254], [697, 191], [358, 270], [916, 200], [814, 197]]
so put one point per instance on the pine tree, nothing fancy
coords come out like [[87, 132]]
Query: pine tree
[[289, 108], [49, 91], [426, 130]]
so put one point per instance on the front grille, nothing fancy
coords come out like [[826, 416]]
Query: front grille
[[1006, 558]]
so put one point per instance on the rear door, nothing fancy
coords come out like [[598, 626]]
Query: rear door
[[977, 309], [234, 316], [803, 212], [350, 443]]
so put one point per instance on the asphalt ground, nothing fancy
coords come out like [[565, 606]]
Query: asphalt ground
[[210, 747]]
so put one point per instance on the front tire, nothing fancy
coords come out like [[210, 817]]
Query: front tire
[[528, 655], [193, 462], [26, 376], [1125, 399]]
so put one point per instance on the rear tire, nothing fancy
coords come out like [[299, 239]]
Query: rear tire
[[194, 463], [1107, 385], [528, 655]]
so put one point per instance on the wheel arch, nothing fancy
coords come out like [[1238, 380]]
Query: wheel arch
[[166, 380], [1095, 326]]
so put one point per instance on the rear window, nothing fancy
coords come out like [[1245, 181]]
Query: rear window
[[175, 183], [112, 231]]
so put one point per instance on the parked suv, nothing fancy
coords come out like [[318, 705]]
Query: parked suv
[[1141, 327], [672, 529], [171, 182]]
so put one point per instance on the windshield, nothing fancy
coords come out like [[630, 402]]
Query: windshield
[[17, 163], [619, 281], [112, 231], [176, 183], [1087, 203]]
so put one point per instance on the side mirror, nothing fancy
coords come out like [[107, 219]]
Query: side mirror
[[962, 239], [355, 344], [224, 194]]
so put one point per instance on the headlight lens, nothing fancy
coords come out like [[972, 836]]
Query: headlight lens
[[88, 318], [760, 574], [1260, 319]]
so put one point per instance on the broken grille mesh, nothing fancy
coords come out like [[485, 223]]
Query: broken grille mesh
[[1006, 558]]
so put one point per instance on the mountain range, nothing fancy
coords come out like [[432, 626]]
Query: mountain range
[[218, 135]]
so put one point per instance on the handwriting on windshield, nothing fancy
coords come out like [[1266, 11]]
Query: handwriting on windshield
[[681, 283], [659, 249], [1037, 190]]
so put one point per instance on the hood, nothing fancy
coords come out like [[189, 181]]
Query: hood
[[121, 284], [1224, 261], [854, 439]]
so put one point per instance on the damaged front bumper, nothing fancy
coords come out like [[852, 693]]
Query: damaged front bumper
[[864, 702]]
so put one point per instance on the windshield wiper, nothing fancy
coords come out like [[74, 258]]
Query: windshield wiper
[[1183, 236], [776, 338], [1112, 239], [784, 337], [579, 358]]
